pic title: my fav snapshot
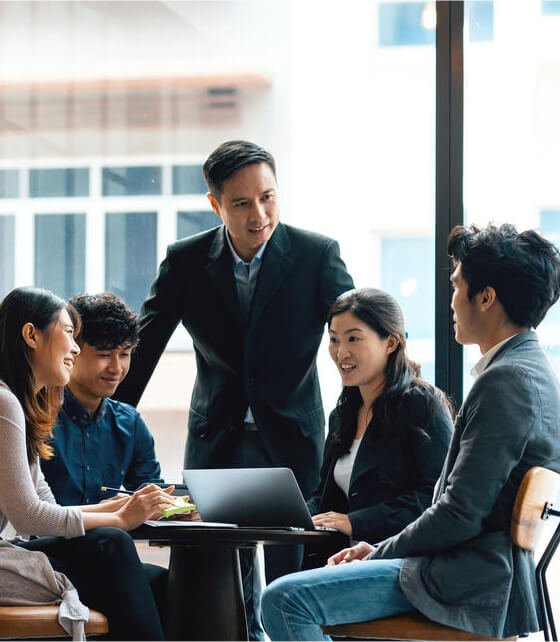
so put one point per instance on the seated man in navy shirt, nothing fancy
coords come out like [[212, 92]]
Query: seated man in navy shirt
[[98, 441]]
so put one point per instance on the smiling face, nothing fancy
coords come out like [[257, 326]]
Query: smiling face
[[53, 351], [359, 353], [97, 374], [248, 206]]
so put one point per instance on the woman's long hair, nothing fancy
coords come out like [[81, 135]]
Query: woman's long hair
[[41, 308], [381, 312]]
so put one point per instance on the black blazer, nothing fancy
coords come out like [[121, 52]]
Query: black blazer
[[394, 472], [267, 360]]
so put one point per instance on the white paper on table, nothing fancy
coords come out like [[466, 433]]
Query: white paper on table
[[185, 524]]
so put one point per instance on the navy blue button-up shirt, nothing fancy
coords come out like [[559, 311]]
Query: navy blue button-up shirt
[[113, 448]]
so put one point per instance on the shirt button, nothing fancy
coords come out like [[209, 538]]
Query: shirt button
[[87, 434], [87, 467], [87, 500]]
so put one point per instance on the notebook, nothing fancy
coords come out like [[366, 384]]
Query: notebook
[[263, 497]]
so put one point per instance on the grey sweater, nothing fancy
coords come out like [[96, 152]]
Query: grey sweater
[[25, 497]]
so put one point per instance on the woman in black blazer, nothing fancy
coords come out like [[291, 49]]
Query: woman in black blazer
[[389, 433]]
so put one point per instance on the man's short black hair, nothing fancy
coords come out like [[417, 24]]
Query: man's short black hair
[[107, 322], [522, 267], [230, 157]]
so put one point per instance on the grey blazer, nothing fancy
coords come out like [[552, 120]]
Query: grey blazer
[[461, 567]]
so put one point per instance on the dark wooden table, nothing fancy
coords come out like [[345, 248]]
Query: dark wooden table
[[205, 596]]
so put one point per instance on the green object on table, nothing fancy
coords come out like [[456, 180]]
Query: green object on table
[[180, 506]]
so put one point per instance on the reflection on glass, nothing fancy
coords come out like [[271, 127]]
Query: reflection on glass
[[414, 23], [189, 223], [412, 283], [9, 187], [131, 181], [59, 182], [518, 113], [130, 255], [188, 179], [6, 254], [406, 23], [60, 253]]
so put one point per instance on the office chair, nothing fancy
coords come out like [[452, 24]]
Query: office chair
[[17, 622], [533, 504]]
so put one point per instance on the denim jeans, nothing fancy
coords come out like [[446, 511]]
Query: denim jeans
[[295, 606]]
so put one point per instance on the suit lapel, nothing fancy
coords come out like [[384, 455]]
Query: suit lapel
[[369, 456], [275, 265], [220, 273], [453, 451]]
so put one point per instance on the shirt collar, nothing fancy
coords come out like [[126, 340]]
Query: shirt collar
[[481, 365], [77, 412], [238, 259]]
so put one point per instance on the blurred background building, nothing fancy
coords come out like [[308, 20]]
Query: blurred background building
[[109, 108]]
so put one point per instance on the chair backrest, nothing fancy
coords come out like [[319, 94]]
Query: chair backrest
[[538, 487]]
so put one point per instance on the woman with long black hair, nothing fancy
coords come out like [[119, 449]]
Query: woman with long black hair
[[389, 433]]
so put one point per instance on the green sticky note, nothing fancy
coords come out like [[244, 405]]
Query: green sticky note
[[180, 506]]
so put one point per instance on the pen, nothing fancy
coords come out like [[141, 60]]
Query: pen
[[117, 490]]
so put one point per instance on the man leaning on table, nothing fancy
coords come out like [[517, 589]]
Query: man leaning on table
[[253, 294]]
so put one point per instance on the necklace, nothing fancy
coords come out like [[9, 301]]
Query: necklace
[[364, 417]]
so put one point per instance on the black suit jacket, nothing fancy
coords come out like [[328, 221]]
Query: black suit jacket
[[267, 360], [394, 472]]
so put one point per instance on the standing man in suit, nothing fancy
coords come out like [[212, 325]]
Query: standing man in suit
[[456, 563], [253, 294]]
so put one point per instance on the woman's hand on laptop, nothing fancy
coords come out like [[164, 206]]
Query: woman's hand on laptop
[[334, 520], [352, 554]]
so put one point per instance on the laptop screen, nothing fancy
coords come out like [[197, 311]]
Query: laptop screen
[[263, 497]]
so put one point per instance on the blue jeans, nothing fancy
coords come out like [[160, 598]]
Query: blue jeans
[[295, 606]]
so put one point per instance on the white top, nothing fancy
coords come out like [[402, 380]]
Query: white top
[[481, 365], [344, 465], [25, 497]]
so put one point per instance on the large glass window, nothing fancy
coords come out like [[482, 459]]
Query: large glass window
[[60, 249], [347, 109], [130, 259], [512, 135], [7, 254]]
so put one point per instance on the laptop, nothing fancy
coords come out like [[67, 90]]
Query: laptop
[[258, 497]]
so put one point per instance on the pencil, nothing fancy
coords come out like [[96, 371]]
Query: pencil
[[117, 490]]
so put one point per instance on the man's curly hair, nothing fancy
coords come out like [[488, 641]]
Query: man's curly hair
[[107, 322]]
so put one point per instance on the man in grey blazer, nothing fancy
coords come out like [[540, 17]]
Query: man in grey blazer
[[253, 294], [456, 563]]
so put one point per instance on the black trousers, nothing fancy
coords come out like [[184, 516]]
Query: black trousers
[[279, 560], [105, 568]]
